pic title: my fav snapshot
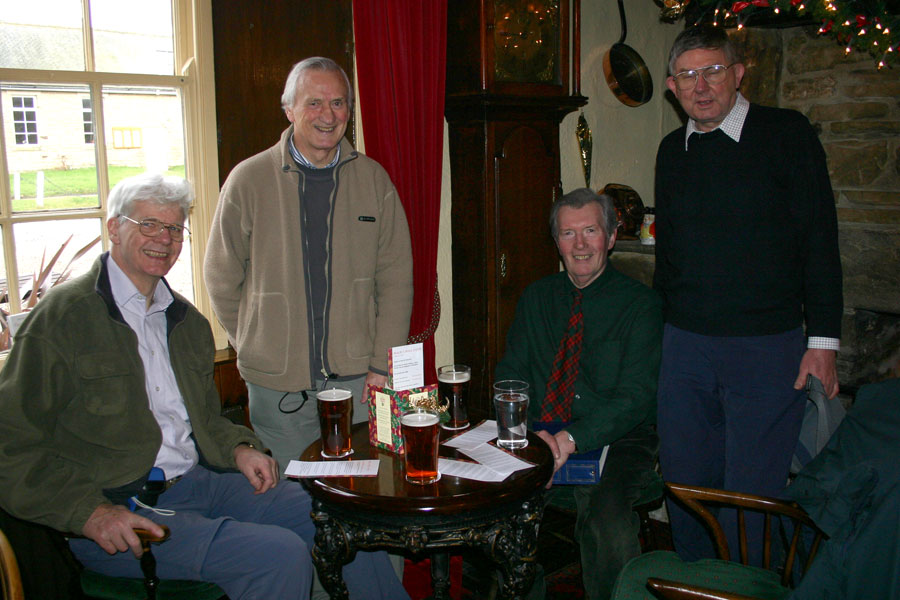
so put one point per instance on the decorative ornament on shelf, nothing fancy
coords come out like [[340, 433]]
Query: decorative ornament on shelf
[[586, 147], [864, 25]]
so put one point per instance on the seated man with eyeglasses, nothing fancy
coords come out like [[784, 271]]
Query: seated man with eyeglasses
[[110, 420], [748, 267]]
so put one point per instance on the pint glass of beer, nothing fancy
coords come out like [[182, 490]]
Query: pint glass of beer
[[421, 436], [334, 406], [453, 388]]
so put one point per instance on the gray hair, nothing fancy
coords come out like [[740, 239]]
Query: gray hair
[[314, 63], [149, 187], [707, 37], [580, 198]]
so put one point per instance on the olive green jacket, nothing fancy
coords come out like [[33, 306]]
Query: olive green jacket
[[75, 420]]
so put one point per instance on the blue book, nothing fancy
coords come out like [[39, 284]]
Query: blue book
[[580, 469]]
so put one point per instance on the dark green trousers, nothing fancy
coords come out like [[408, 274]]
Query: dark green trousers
[[606, 526]]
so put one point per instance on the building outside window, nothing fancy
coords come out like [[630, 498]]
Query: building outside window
[[130, 68]]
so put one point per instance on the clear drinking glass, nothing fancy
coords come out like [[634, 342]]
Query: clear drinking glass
[[511, 408]]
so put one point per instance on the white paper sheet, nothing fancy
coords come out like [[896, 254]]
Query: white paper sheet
[[475, 436], [332, 468], [407, 367], [496, 459], [468, 470]]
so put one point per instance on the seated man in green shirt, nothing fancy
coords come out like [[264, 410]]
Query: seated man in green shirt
[[604, 394]]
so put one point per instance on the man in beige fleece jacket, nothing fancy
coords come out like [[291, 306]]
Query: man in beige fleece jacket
[[309, 265]]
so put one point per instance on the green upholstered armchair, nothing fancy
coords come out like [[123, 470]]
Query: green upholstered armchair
[[723, 578], [35, 562], [102, 587]]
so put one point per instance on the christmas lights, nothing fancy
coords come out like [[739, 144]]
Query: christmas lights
[[861, 25]]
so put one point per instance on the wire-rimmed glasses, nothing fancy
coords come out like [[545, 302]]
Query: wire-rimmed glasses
[[713, 74], [153, 227]]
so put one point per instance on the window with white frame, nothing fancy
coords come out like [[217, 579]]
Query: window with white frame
[[24, 118], [87, 117], [132, 69]]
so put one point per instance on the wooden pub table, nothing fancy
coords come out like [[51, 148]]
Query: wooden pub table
[[388, 513]]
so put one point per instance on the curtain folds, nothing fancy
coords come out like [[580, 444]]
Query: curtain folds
[[400, 66]]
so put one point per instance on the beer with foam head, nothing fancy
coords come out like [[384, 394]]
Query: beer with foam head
[[334, 406], [421, 436], [453, 388]]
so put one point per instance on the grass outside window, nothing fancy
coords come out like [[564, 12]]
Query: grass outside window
[[66, 189]]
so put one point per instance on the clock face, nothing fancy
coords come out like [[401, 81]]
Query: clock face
[[526, 41]]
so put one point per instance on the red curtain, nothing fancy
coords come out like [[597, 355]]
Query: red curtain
[[401, 48]]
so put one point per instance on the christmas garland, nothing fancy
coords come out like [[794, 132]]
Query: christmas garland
[[864, 25]]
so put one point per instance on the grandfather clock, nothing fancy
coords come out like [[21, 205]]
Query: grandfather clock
[[508, 75]]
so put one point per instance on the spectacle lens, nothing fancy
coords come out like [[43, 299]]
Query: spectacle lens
[[713, 74]]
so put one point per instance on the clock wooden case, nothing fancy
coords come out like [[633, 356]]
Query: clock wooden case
[[508, 88]]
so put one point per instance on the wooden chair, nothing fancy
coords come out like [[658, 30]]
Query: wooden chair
[[671, 578], [10, 580]]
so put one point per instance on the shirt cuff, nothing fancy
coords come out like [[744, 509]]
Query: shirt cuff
[[824, 343]]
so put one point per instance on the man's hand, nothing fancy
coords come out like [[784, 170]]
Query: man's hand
[[560, 447], [374, 380], [259, 469], [822, 364], [112, 525]]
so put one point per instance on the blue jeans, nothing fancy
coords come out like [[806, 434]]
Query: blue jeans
[[252, 546]]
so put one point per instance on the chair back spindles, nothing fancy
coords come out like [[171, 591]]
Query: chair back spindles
[[742, 537], [696, 498]]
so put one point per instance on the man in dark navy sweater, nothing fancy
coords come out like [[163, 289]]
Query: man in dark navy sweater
[[746, 256]]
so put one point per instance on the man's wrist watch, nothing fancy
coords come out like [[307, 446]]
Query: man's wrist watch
[[571, 439]]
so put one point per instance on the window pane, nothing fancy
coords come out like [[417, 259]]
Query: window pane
[[39, 241], [50, 165], [42, 34], [144, 131], [180, 277], [4, 299], [133, 37]]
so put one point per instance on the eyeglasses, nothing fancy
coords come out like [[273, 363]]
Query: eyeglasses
[[713, 74], [152, 228]]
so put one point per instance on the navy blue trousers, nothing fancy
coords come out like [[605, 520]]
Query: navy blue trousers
[[729, 418]]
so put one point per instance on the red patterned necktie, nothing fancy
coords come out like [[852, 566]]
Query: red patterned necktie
[[557, 404]]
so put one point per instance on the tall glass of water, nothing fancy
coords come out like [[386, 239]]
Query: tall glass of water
[[511, 408]]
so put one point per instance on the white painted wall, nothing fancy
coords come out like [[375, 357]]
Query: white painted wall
[[625, 138]]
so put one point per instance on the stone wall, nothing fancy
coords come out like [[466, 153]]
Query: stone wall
[[855, 108]]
